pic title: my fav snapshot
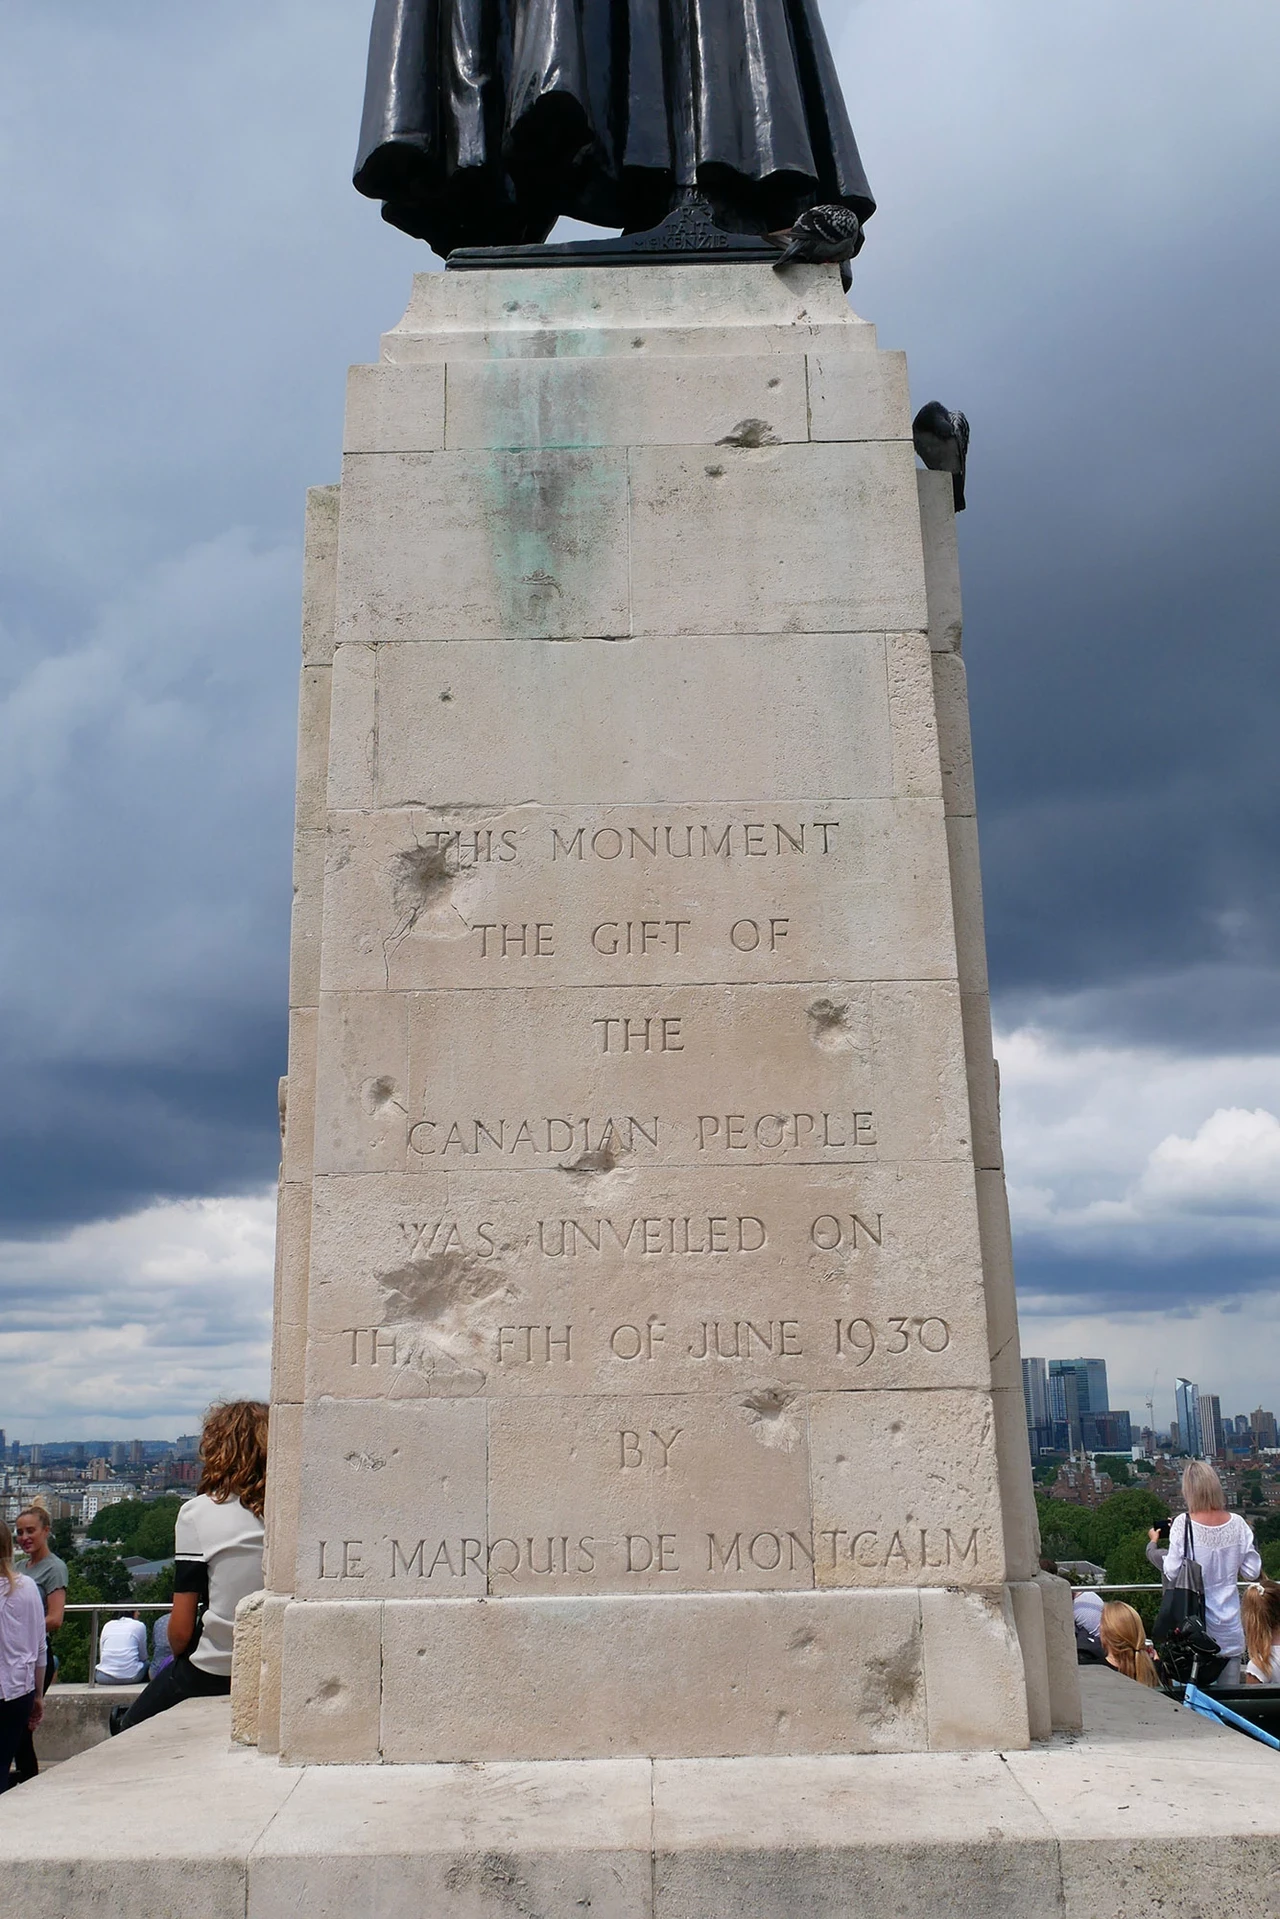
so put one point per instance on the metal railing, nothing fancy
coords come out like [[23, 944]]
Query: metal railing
[[1149, 1586], [98, 1608]]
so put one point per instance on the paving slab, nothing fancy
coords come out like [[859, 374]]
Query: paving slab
[[158, 1822], [1150, 1811]]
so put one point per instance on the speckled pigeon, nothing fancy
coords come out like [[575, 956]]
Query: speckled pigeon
[[942, 441], [820, 236]]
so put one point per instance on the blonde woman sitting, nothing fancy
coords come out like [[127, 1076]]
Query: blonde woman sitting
[[1124, 1641], [1260, 1611]]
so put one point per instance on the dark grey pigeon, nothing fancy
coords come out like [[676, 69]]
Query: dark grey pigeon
[[821, 236], [942, 441]]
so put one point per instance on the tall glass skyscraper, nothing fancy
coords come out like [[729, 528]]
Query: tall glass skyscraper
[[1091, 1383], [1186, 1401], [1211, 1439], [1035, 1391]]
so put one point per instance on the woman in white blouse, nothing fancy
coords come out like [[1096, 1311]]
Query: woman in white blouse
[[1223, 1544], [22, 1657]]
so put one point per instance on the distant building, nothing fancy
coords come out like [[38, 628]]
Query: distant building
[[1241, 1423], [187, 1446], [1064, 1405], [1081, 1572], [108, 1493], [1175, 1437], [1186, 1399], [135, 1452], [1263, 1425], [1212, 1441], [1106, 1432], [140, 1569], [1035, 1393], [1091, 1382]]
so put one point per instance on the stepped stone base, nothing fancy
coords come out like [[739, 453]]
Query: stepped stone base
[[75, 1718], [1150, 1812]]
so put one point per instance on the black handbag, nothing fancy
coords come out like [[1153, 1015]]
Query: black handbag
[[1187, 1651], [1183, 1597]]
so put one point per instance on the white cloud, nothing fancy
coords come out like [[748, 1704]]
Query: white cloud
[[1140, 1153], [128, 1328], [1230, 1168], [1120, 1156]]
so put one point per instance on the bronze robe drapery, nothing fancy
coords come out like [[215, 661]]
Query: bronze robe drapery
[[484, 120]]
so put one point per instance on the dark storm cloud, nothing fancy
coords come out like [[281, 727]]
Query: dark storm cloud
[[1089, 268], [1073, 243], [195, 274], [1107, 1283]]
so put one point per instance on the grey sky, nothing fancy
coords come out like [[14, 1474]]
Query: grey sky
[[1076, 242]]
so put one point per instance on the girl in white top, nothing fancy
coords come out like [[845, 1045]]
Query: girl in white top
[[22, 1657], [1223, 1544], [217, 1561], [1260, 1608]]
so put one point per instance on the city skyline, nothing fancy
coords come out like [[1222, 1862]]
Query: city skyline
[[1069, 1409]]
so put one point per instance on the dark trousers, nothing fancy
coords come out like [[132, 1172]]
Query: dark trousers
[[25, 1763], [14, 1714], [177, 1682]]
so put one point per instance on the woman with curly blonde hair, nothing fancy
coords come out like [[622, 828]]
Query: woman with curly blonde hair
[[1124, 1641], [217, 1561]]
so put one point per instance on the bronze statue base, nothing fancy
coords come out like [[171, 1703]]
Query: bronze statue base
[[688, 234]]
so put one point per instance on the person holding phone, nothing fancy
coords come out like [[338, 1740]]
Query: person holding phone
[[1223, 1543], [1158, 1545]]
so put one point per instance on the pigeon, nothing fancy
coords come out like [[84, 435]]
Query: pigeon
[[942, 441], [821, 235]]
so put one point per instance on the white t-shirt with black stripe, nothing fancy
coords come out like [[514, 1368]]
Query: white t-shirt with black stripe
[[217, 1549]]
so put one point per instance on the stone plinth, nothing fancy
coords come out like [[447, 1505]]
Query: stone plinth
[[1153, 1813], [646, 1369]]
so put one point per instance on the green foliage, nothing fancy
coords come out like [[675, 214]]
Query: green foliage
[[1271, 1559], [63, 1538], [1116, 1467], [1063, 1528], [161, 1587], [116, 1521], [106, 1572], [1143, 1466], [1267, 1531], [1124, 1512], [1076, 1532], [1128, 1560], [1044, 1475], [142, 1528], [1127, 1563]]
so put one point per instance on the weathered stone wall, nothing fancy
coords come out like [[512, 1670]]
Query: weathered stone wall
[[646, 1355]]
